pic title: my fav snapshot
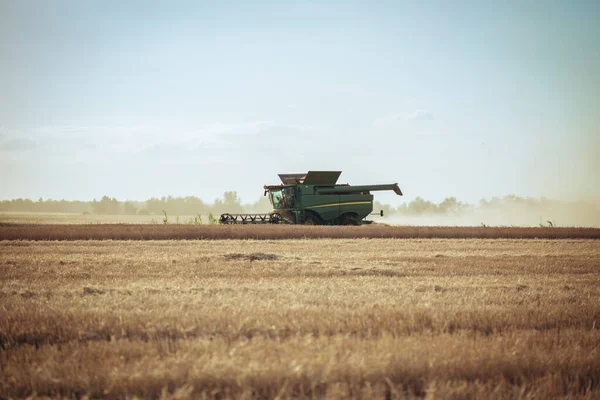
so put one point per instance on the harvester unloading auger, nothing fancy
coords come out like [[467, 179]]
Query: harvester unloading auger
[[314, 198]]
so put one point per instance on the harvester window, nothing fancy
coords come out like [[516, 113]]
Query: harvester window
[[275, 196], [283, 198]]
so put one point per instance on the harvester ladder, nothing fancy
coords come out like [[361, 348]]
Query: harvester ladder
[[300, 217]]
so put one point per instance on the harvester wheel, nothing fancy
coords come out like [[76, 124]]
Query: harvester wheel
[[310, 219], [350, 219]]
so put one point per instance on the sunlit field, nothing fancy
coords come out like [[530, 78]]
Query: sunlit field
[[86, 218], [334, 318], [280, 231]]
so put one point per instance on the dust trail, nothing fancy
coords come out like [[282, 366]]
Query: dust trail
[[563, 214]]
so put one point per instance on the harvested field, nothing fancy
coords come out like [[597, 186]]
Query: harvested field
[[328, 318], [272, 232]]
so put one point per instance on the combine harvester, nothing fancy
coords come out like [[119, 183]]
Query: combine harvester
[[314, 198]]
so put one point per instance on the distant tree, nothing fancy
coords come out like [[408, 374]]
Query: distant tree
[[402, 209], [156, 205], [189, 205], [451, 206], [230, 203], [420, 206], [106, 205], [98, 207], [231, 198], [129, 208]]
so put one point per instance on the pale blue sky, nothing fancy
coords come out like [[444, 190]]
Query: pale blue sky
[[137, 99]]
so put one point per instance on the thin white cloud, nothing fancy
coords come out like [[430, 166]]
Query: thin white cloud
[[387, 120], [420, 115], [13, 141], [128, 138], [243, 128], [210, 143]]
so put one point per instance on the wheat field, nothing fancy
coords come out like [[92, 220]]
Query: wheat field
[[321, 318], [10, 231]]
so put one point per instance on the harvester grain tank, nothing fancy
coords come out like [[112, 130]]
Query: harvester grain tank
[[315, 198]]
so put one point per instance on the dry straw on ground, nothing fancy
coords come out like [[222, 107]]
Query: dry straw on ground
[[300, 318], [269, 232]]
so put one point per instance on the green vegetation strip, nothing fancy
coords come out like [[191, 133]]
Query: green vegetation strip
[[275, 232]]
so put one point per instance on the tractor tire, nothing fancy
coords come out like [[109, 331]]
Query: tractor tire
[[310, 219], [350, 219]]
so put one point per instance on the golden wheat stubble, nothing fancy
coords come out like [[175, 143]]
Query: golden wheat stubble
[[338, 318]]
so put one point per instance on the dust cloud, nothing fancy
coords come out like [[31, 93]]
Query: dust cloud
[[518, 212]]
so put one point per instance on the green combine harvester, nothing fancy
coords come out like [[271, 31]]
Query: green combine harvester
[[314, 198]]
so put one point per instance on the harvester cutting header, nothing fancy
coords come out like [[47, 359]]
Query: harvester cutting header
[[314, 198]]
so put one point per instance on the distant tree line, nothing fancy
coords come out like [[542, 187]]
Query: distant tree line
[[231, 202], [507, 204], [420, 206], [190, 205]]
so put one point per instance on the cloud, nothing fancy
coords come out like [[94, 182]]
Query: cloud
[[201, 144], [223, 142], [266, 130], [135, 139], [387, 120], [419, 115], [216, 130], [13, 141]]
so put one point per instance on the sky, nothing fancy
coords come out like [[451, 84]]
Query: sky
[[135, 99]]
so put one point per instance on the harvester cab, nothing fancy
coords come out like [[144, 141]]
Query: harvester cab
[[315, 198]]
